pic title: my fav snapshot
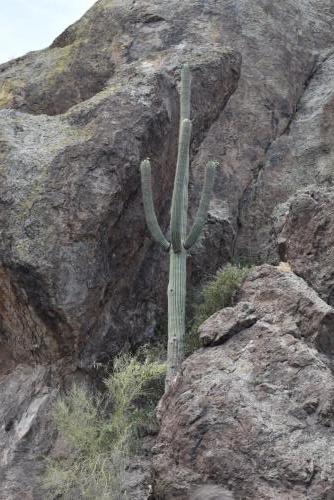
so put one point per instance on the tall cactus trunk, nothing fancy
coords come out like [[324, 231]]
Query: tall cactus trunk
[[177, 285], [180, 242], [176, 312]]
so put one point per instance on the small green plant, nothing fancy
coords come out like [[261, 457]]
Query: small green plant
[[99, 442], [216, 294]]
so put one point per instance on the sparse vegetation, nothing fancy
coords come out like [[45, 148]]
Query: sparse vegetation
[[101, 432], [217, 293]]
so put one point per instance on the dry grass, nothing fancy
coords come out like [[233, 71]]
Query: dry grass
[[101, 442]]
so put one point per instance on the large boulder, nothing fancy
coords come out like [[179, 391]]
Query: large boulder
[[78, 117], [79, 276], [252, 415]]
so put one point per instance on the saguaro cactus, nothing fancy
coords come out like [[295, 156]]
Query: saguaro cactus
[[180, 242]]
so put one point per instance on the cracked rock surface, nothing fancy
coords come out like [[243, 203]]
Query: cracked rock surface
[[80, 279], [305, 235], [78, 270], [253, 416], [26, 430], [300, 155]]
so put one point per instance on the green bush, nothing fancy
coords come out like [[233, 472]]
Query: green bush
[[99, 441], [216, 294]]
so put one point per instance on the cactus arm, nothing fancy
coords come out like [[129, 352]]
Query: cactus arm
[[185, 93], [151, 218], [180, 176], [203, 206]]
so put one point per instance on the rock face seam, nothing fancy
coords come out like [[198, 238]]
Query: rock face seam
[[252, 184]]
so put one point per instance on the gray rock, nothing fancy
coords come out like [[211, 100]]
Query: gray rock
[[26, 430], [209, 492], [80, 276], [254, 416], [301, 154], [305, 237], [71, 206], [227, 322], [80, 279]]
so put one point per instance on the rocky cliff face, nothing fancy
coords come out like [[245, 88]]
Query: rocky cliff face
[[79, 277], [79, 274], [252, 413]]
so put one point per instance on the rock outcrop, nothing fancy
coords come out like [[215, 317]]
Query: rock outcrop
[[253, 416], [79, 277], [77, 266], [77, 118]]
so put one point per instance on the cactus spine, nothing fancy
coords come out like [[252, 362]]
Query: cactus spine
[[180, 241]]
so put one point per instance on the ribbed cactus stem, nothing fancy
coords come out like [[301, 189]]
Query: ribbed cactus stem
[[178, 255], [176, 313], [203, 206], [178, 247], [151, 218], [177, 213]]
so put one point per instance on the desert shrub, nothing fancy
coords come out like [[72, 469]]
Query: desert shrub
[[99, 441], [216, 294], [135, 386]]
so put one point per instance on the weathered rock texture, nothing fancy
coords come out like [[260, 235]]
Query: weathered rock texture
[[77, 266], [82, 275], [79, 277], [26, 430], [303, 154], [253, 416], [305, 234]]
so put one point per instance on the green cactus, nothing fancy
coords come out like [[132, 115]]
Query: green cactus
[[180, 242]]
